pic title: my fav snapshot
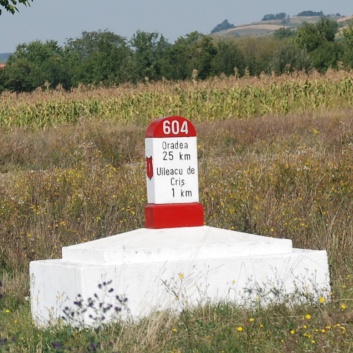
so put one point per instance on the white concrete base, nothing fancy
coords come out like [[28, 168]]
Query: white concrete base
[[159, 269]]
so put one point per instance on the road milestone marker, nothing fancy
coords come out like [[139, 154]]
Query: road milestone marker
[[176, 261], [172, 174]]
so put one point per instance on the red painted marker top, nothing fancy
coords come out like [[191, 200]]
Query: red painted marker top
[[171, 126], [172, 214]]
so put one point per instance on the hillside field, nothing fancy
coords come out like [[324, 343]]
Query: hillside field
[[267, 28]]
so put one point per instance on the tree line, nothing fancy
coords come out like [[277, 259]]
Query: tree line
[[105, 58]]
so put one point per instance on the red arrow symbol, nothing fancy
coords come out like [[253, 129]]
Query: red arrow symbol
[[149, 167]]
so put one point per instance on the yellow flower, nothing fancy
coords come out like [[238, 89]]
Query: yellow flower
[[292, 332], [315, 132], [7, 311], [343, 306], [322, 300], [239, 329], [251, 319], [308, 316], [175, 329], [181, 275]]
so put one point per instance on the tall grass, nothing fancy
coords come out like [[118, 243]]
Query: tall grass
[[280, 173]]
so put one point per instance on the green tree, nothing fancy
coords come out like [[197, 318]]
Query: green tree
[[35, 65], [319, 41], [308, 37], [328, 55], [228, 58], [194, 51], [98, 57], [222, 27], [258, 53], [327, 29], [10, 5], [181, 56], [290, 58], [311, 36], [347, 57], [271, 17], [203, 57], [149, 50], [284, 33]]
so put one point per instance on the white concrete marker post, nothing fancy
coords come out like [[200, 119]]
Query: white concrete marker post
[[172, 174], [176, 261]]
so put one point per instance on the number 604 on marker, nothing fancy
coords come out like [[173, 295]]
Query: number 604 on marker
[[171, 161]]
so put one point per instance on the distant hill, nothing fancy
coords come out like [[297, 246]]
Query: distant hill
[[4, 57], [267, 28]]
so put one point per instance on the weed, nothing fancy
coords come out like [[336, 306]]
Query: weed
[[95, 310]]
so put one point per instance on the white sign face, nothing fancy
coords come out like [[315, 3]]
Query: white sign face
[[172, 174]]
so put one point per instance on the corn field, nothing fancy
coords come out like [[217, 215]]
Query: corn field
[[214, 99]]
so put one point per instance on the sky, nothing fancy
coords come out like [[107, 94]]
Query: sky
[[60, 20]]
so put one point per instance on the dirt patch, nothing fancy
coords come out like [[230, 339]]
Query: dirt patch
[[259, 26], [344, 19]]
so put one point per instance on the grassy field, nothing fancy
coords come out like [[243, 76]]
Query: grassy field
[[275, 158]]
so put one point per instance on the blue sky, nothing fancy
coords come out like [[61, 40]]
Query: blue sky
[[60, 20]]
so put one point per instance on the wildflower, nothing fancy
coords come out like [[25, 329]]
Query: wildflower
[[56, 345], [175, 329], [343, 307], [239, 329], [308, 316], [7, 311], [251, 319], [322, 300], [93, 346], [292, 332], [181, 275]]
